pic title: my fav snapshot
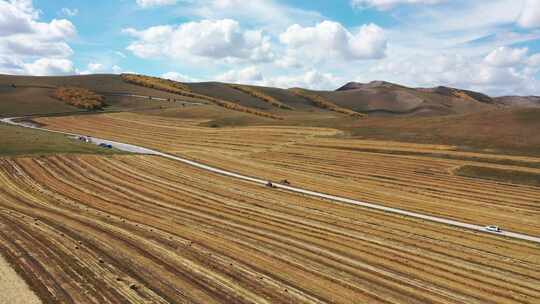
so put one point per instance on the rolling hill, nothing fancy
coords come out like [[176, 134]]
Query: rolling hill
[[463, 118], [32, 95]]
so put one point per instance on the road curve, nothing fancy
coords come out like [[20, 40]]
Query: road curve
[[142, 150]]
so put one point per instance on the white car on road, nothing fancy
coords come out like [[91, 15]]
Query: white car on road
[[493, 228]]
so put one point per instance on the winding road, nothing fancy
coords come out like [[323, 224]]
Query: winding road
[[142, 150]]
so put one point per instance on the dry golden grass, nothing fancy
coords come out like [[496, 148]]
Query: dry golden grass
[[80, 98], [182, 90], [140, 229], [321, 102], [260, 95], [408, 176]]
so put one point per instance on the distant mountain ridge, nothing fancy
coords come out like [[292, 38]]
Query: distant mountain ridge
[[27, 94], [505, 101]]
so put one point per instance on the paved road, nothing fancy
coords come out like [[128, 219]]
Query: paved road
[[142, 150]]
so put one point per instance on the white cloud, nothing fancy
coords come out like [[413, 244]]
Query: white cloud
[[271, 15], [247, 75], [178, 77], [506, 56], [49, 66], [311, 79], [534, 60], [330, 40], [154, 3], [100, 68], [69, 12], [95, 67], [387, 4], [116, 69], [501, 72], [530, 14], [28, 45], [16, 17], [206, 39]]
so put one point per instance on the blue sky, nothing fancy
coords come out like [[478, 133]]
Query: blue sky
[[491, 46]]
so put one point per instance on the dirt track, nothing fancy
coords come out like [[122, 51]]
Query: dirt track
[[83, 229]]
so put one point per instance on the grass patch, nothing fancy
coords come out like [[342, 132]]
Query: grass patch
[[19, 141], [321, 102], [500, 175], [80, 98]]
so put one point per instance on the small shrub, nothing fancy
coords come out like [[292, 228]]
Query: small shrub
[[80, 98]]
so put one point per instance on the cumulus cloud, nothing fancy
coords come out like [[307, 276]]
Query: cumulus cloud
[[530, 14], [29, 46], [49, 66], [272, 15], [330, 40], [154, 3], [506, 56], [16, 17], [311, 79], [503, 71], [534, 60], [178, 77], [100, 68], [206, 39], [247, 75], [387, 4]]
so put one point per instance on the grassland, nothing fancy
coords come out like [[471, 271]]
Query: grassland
[[261, 95], [417, 177], [500, 131], [501, 175], [80, 98], [323, 103], [182, 90], [21, 141], [139, 229]]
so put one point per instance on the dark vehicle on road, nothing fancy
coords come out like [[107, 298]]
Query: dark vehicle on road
[[104, 145]]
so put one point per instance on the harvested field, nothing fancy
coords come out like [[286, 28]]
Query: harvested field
[[137, 229], [408, 176]]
